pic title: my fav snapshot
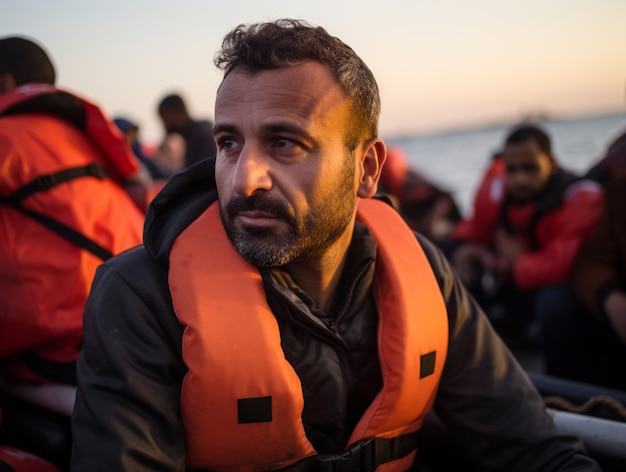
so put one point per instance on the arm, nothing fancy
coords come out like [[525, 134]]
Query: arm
[[486, 399], [597, 273], [469, 247], [615, 309], [129, 372], [476, 229], [560, 235], [486, 207]]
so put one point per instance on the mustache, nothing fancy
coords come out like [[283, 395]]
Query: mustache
[[239, 204]]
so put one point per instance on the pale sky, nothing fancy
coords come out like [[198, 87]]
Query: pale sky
[[440, 64]]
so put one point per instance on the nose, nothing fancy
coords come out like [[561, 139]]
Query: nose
[[516, 175], [252, 172]]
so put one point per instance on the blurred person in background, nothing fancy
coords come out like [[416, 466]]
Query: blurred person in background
[[585, 340], [130, 129], [517, 248], [70, 197], [197, 134], [425, 207]]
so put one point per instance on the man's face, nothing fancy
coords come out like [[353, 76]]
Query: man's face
[[174, 121], [287, 184], [528, 170]]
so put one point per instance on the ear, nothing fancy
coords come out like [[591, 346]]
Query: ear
[[7, 83], [554, 165], [373, 157]]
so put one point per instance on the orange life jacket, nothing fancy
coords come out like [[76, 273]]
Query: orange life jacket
[[115, 152], [231, 345], [45, 279]]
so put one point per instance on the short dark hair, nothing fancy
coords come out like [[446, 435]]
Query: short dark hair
[[26, 61], [523, 133], [289, 42], [172, 102]]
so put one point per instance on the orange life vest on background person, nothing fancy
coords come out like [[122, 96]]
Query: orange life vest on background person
[[44, 278], [114, 151], [232, 348]]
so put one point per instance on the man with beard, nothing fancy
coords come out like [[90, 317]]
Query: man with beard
[[516, 254], [278, 317]]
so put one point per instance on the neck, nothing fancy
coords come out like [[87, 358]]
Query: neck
[[319, 277]]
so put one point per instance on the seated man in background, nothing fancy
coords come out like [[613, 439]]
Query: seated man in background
[[522, 240], [197, 134], [587, 342], [65, 177]]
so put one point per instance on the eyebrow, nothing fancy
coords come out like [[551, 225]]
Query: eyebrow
[[223, 128], [270, 128], [525, 167]]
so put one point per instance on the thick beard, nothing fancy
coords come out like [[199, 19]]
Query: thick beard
[[523, 199], [306, 237]]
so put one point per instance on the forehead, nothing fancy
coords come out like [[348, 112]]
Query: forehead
[[527, 150], [305, 91]]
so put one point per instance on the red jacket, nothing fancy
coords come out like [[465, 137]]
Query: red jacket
[[45, 279], [551, 238]]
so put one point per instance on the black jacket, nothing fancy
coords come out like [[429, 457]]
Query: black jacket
[[131, 368]]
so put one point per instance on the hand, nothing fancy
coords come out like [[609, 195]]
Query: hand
[[137, 187], [508, 249], [615, 309], [468, 262]]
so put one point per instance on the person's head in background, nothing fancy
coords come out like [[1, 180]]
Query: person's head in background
[[529, 163], [22, 61], [173, 113]]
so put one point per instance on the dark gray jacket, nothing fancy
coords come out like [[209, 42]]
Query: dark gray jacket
[[131, 368]]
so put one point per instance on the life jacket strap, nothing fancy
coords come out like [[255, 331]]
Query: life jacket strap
[[363, 456], [46, 182]]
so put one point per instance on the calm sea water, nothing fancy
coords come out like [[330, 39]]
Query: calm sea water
[[456, 160]]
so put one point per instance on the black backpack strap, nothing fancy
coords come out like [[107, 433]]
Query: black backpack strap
[[364, 456], [65, 231], [48, 181]]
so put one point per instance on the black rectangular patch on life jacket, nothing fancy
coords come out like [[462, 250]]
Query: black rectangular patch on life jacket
[[427, 364], [254, 410]]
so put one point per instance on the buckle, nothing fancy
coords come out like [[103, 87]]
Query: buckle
[[357, 458], [97, 170]]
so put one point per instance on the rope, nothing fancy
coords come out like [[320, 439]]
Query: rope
[[561, 403]]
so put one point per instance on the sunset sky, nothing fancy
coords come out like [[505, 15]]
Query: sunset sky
[[439, 64]]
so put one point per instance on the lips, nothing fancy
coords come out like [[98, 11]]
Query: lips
[[257, 218]]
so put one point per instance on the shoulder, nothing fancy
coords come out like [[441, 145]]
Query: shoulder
[[136, 269], [583, 188], [131, 290], [617, 183]]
